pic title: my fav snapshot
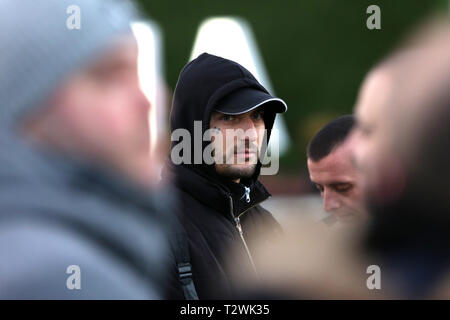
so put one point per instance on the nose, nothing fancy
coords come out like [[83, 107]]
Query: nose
[[249, 129], [142, 100], [330, 201]]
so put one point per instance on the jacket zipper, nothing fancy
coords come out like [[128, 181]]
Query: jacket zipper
[[241, 232], [246, 194]]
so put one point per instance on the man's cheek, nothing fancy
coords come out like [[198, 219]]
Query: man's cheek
[[354, 200], [260, 143], [357, 197]]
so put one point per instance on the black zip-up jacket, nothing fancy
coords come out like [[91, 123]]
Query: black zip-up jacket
[[216, 214]]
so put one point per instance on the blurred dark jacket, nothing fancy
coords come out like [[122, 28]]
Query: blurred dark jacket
[[411, 239], [213, 210], [56, 212]]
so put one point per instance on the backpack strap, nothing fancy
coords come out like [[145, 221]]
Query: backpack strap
[[180, 248]]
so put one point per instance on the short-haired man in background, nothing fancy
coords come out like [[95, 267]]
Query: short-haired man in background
[[332, 170]]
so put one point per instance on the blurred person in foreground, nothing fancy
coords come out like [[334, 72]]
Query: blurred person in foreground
[[401, 146], [333, 172], [79, 216]]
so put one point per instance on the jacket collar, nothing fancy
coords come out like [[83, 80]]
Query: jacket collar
[[217, 194]]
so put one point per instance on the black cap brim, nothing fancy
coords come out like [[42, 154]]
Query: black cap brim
[[247, 99]]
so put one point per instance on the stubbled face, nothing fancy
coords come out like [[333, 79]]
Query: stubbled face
[[101, 110], [337, 179], [239, 153]]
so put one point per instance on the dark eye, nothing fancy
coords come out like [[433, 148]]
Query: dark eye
[[227, 117], [258, 115], [343, 187], [319, 187]]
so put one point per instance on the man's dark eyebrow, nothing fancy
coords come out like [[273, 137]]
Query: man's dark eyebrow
[[339, 183], [333, 184]]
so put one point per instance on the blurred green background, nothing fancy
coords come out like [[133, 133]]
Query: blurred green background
[[316, 52]]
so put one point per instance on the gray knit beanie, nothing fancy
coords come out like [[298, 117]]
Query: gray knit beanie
[[39, 45]]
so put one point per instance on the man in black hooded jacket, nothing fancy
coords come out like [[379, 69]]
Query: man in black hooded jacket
[[219, 203]]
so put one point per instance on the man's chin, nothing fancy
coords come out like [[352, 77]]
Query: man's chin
[[346, 218], [236, 171], [349, 217]]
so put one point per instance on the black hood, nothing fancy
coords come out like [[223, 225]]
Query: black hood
[[203, 82]]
